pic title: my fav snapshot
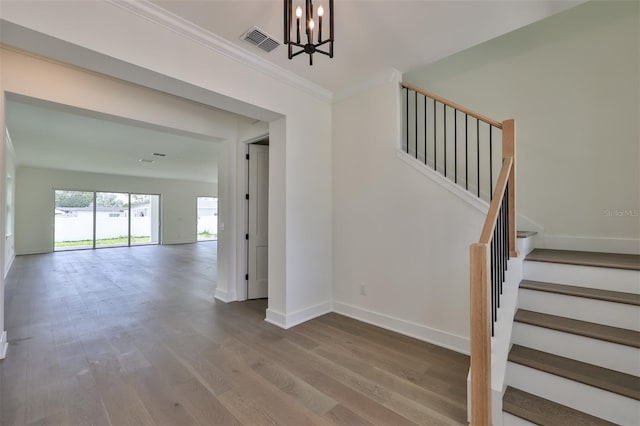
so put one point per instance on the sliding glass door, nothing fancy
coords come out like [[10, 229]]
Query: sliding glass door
[[145, 219], [112, 219], [105, 219], [73, 220]]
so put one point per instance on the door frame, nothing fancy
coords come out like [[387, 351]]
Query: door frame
[[243, 215]]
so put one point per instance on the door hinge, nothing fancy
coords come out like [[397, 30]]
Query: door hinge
[[246, 236], [246, 277], [246, 196], [246, 156]]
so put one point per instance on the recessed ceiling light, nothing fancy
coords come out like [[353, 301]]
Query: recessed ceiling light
[[146, 160], [159, 154]]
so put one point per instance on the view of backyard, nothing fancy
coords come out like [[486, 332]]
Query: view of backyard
[[119, 219]]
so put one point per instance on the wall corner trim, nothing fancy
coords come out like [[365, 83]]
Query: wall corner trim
[[411, 329], [223, 296], [181, 26], [4, 345], [298, 317], [276, 318]]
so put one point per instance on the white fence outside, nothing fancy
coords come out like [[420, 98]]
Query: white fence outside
[[80, 228]]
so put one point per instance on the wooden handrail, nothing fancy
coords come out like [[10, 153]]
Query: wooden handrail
[[496, 202], [480, 335], [480, 277], [454, 105]]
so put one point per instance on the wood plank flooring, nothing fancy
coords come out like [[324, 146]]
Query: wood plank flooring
[[133, 336]]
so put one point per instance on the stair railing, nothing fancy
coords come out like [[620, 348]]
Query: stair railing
[[438, 133], [488, 264], [455, 141]]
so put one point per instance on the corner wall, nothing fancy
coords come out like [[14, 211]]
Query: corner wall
[[401, 238], [572, 84], [35, 203]]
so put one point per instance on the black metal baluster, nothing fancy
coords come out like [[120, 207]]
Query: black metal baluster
[[444, 112], [455, 144], [506, 226], [478, 152], [499, 238], [490, 162], [407, 117], [415, 114], [466, 151], [425, 129], [493, 286], [435, 144], [496, 305]]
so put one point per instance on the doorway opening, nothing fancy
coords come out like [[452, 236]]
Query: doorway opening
[[92, 219], [207, 223]]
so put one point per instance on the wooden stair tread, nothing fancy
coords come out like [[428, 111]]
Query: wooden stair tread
[[607, 333], [592, 375], [525, 234], [589, 293], [586, 258], [545, 412]]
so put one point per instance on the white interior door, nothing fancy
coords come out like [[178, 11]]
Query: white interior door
[[258, 221]]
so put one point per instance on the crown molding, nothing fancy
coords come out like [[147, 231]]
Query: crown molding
[[389, 75], [187, 29]]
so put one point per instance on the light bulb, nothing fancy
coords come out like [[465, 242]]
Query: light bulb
[[311, 24], [320, 10], [298, 12]]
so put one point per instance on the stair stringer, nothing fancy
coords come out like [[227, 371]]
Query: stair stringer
[[446, 183], [501, 341]]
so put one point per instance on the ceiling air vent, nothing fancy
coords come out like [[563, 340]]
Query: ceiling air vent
[[260, 39]]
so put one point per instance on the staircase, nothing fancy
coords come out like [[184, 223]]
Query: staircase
[[575, 355]]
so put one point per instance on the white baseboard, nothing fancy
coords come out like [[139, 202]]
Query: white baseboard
[[276, 318], [431, 335], [224, 296], [600, 244], [291, 320], [34, 251], [3, 345], [176, 242]]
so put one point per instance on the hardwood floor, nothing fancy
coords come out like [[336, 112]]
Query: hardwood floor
[[134, 336]]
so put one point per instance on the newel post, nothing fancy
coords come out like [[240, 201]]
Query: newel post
[[480, 335], [509, 150]]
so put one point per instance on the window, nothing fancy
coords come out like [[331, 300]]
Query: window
[[207, 211]]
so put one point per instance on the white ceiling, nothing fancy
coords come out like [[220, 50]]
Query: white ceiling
[[372, 36], [51, 136]]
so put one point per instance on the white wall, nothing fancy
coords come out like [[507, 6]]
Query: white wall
[[189, 66], [35, 203], [398, 234], [572, 84], [10, 175], [3, 234]]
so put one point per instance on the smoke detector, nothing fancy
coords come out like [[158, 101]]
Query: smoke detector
[[260, 39]]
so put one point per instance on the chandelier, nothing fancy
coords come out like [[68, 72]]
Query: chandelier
[[309, 47]]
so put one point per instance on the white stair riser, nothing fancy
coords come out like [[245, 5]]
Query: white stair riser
[[597, 402], [511, 420], [592, 351], [584, 276], [581, 308], [525, 245]]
